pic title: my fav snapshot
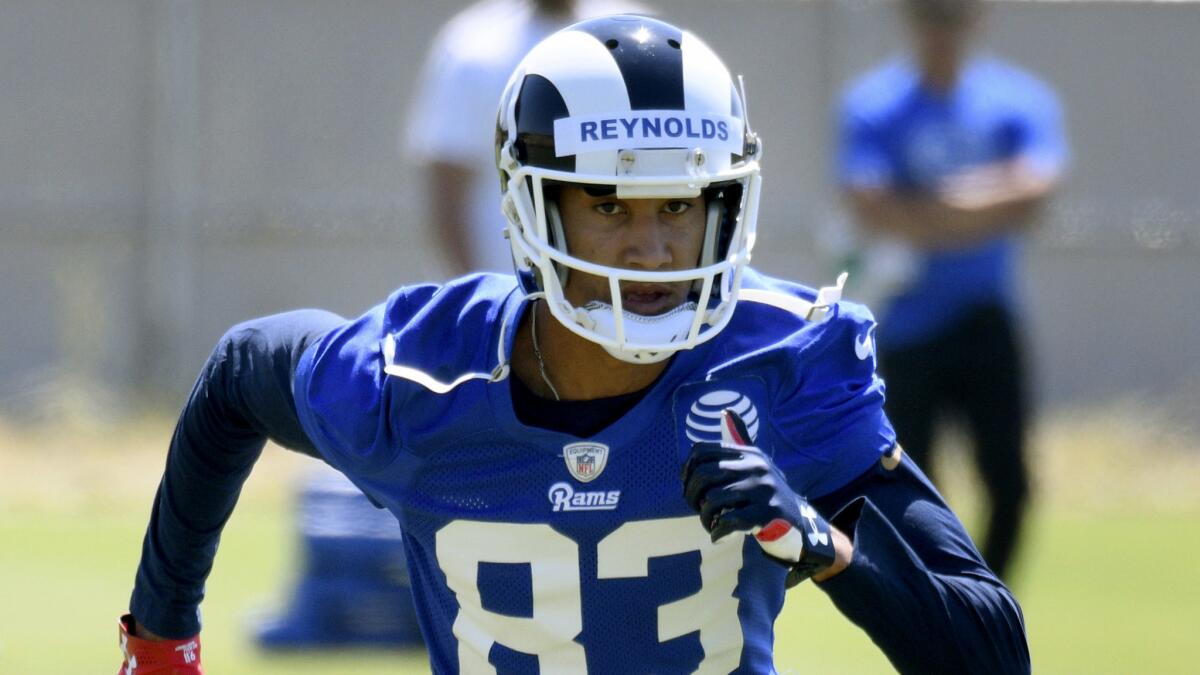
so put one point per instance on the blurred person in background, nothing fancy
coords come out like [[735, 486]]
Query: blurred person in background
[[449, 132], [945, 157], [353, 587]]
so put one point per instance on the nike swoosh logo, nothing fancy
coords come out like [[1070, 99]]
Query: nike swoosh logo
[[863, 347]]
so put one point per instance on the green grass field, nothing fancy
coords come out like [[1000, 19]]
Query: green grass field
[[1107, 580]]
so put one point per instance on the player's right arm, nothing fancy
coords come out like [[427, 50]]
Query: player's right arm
[[242, 398]]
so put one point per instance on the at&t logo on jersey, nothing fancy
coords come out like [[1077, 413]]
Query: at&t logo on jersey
[[704, 418], [563, 497]]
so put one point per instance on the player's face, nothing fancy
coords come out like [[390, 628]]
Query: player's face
[[639, 234]]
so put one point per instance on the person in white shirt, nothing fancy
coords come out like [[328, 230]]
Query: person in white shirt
[[449, 130]]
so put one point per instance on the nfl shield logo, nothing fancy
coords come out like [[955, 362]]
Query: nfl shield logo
[[585, 460]]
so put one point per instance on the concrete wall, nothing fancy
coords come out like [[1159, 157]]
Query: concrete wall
[[170, 167]]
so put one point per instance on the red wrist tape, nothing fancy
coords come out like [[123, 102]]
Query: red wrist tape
[[150, 657]]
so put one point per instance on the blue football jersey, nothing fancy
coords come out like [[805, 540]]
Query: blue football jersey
[[537, 551]]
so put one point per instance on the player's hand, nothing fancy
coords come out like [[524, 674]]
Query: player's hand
[[144, 656], [735, 487]]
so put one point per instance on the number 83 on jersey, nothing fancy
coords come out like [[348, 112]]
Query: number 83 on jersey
[[555, 574]]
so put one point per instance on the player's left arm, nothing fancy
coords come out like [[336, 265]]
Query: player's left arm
[[917, 585], [892, 557], [915, 582]]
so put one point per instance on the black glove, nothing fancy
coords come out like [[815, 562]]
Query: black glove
[[735, 487]]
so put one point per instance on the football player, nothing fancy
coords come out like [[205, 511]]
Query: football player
[[547, 440]]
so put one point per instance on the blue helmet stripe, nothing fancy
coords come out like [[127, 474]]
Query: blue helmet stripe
[[649, 55]]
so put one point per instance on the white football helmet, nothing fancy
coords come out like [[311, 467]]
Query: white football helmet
[[646, 109]]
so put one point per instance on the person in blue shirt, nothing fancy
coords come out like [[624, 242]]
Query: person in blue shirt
[[620, 458], [945, 157]]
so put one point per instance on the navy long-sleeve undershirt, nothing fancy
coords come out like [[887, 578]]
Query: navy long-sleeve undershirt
[[242, 397], [917, 585]]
